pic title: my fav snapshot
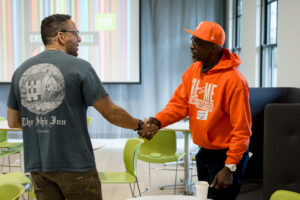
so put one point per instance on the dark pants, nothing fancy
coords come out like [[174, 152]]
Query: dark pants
[[67, 185], [210, 162]]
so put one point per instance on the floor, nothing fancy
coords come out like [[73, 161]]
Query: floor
[[110, 158]]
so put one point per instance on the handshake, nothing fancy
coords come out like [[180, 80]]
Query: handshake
[[150, 128]]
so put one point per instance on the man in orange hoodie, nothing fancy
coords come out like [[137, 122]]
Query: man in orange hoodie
[[215, 96]]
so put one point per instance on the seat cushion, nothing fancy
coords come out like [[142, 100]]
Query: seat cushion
[[154, 158], [16, 177], [116, 177]]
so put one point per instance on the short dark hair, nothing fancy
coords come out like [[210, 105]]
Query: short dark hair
[[51, 25]]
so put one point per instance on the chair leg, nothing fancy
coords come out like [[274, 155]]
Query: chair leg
[[171, 186], [8, 163], [137, 183], [175, 178], [132, 193], [20, 161], [133, 188], [2, 164], [149, 175], [192, 169]]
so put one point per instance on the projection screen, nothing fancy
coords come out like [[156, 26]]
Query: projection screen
[[109, 30]]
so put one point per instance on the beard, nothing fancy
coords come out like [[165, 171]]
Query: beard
[[71, 48]]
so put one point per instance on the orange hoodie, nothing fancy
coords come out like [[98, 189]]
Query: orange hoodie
[[217, 103]]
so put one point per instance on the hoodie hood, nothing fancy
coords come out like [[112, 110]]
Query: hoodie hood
[[227, 61]]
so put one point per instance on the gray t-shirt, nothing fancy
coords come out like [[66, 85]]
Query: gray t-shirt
[[52, 91]]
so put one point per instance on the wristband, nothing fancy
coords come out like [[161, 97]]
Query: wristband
[[140, 125], [157, 122], [231, 167]]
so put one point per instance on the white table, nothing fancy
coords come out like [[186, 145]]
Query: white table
[[184, 127], [4, 127], [166, 197], [97, 145]]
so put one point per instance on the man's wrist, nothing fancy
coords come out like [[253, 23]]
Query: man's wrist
[[157, 123], [231, 167], [140, 125]]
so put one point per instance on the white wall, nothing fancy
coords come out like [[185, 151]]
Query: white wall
[[250, 41], [288, 43], [229, 24]]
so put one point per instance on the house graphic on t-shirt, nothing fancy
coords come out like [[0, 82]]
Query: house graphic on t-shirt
[[33, 90]]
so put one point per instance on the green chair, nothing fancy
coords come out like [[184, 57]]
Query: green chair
[[89, 119], [31, 193], [285, 195], [17, 178], [8, 149], [161, 149], [11, 191], [131, 151]]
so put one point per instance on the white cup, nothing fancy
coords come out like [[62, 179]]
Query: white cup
[[201, 190]]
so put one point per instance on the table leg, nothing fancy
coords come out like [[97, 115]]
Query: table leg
[[187, 177]]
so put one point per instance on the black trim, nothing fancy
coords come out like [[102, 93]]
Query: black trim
[[265, 41], [237, 44], [140, 125], [268, 45]]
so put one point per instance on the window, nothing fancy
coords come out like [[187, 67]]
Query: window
[[269, 44], [237, 27]]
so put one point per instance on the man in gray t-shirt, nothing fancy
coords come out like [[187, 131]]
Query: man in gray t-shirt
[[48, 99]]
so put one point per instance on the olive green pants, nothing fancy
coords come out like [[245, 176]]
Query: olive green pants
[[62, 185]]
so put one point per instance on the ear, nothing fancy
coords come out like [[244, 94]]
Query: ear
[[61, 38]]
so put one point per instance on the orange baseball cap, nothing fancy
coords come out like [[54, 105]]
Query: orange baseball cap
[[209, 31]]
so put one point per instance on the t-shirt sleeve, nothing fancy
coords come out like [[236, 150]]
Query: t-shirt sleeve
[[12, 99], [92, 87]]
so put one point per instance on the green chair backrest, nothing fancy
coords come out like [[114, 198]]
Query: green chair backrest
[[285, 195], [131, 151], [163, 142], [3, 134], [89, 119], [11, 191]]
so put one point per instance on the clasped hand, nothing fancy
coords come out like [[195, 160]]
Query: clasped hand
[[149, 129]]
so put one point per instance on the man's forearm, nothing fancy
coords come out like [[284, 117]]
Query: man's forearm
[[17, 125], [123, 119], [14, 118], [115, 114]]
